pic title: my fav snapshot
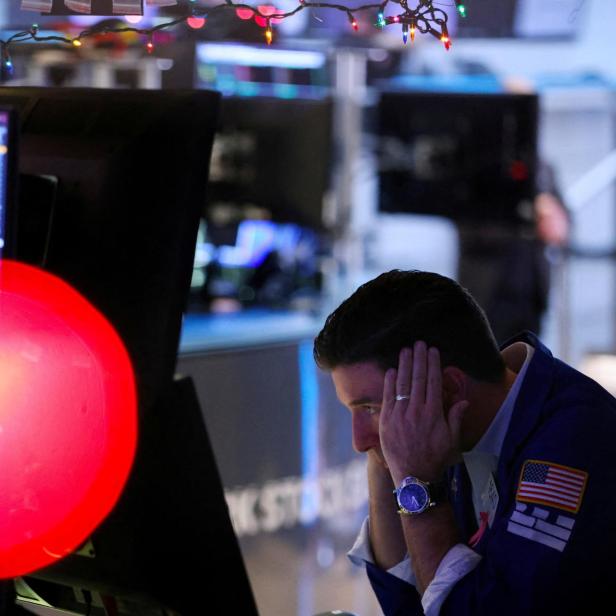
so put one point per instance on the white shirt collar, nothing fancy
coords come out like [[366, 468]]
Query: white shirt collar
[[482, 461], [517, 358]]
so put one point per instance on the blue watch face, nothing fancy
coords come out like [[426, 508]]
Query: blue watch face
[[413, 497]]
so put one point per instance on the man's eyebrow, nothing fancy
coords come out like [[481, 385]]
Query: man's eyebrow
[[364, 400]]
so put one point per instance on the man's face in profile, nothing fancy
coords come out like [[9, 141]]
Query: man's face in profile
[[360, 388]]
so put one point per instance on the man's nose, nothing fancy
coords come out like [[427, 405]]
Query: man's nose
[[365, 431]]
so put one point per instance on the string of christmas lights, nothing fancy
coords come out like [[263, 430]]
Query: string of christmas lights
[[423, 17]]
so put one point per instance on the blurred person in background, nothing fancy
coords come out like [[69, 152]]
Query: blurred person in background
[[507, 269]]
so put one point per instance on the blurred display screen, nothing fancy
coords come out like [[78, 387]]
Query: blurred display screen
[[265, 264], [243, 70], [547, 18], [526, 19], [256, 239], [7, 179]]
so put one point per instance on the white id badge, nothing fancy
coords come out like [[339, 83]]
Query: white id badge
[[489, 498]]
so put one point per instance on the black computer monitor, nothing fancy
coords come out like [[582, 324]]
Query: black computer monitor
[[126, 175], [121, 178], [468, 157], [274, 154], [8, 180]]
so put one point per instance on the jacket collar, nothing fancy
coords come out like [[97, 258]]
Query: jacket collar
[[529, 405]]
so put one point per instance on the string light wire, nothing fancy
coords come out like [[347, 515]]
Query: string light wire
[[424, 17]]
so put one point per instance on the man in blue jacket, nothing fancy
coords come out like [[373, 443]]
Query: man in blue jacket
[[491, 474]]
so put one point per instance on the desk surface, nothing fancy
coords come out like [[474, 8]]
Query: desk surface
[[250, 328]]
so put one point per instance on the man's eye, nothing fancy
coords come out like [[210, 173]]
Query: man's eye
[[373, 410]]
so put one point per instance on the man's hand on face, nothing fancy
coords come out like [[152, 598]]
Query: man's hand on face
[[418, 437]]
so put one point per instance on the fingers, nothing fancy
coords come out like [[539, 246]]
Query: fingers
[[389, 391], [434, 386], [403, 380], [420, 373], [411, 378], [418, 377]]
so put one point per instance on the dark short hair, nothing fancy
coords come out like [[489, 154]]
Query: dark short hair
[[398, 308]]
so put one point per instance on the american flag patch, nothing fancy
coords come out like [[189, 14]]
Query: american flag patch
[[551, 484]]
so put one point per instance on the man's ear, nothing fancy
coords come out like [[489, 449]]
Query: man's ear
[[455, 385]]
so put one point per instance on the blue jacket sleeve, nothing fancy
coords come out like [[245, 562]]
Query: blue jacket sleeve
[[395, 596]]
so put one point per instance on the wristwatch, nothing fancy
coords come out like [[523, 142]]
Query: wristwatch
[[415, 496]]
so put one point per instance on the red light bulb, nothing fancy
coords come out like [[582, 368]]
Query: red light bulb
[[244, 13], [196, 22], [68, 418]]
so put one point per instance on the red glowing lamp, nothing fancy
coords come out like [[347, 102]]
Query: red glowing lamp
[[68, 418]]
